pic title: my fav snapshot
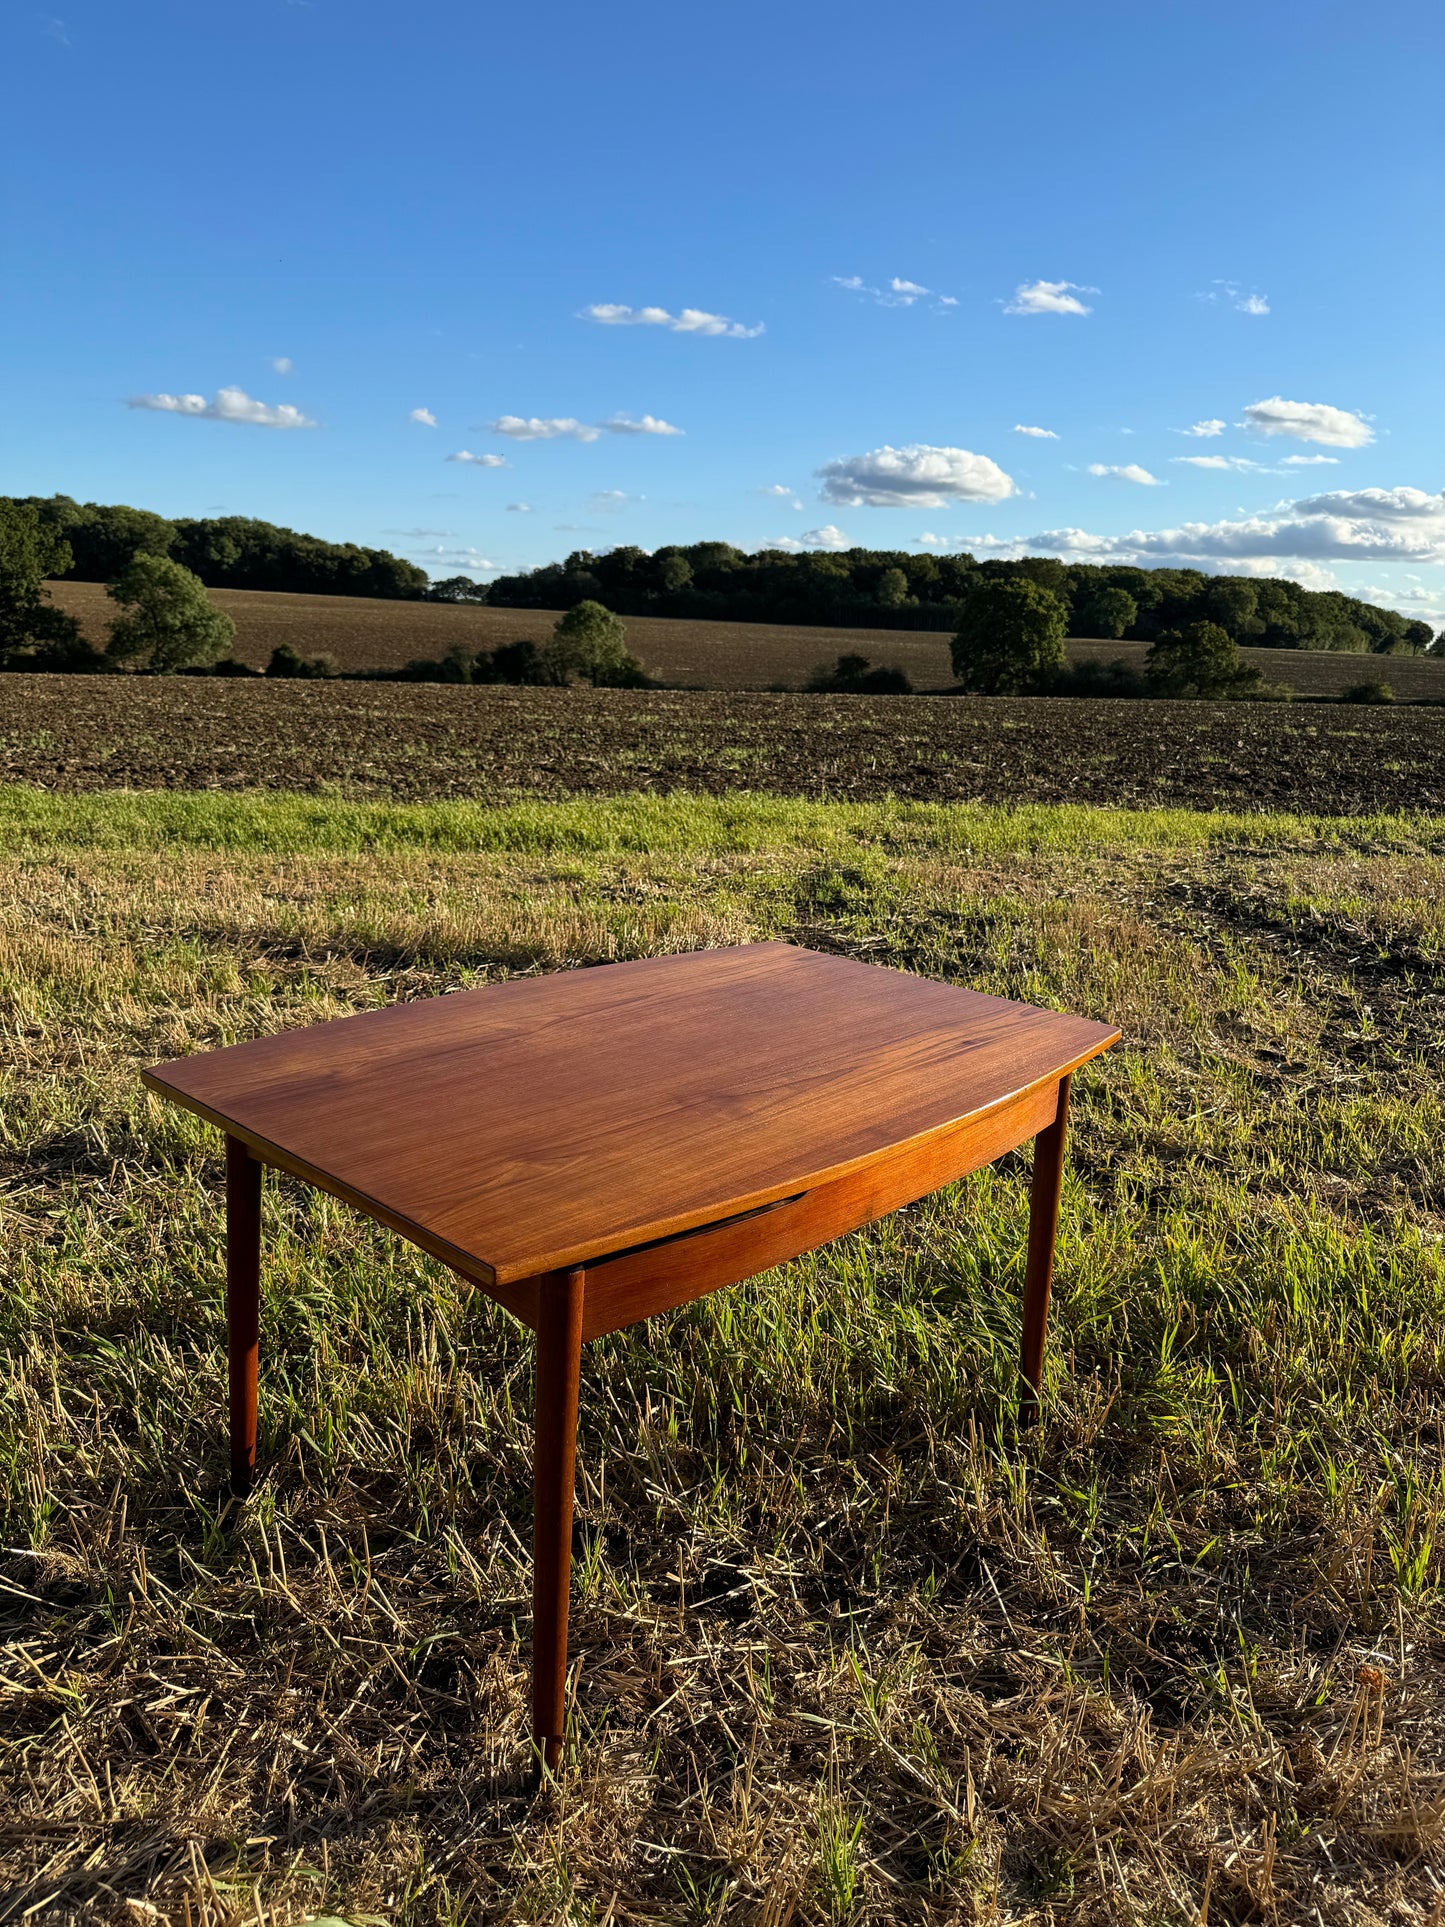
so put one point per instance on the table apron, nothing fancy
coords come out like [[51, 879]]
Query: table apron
[[635, 1284]]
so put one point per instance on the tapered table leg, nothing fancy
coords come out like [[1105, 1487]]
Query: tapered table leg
[[559, 1357], [1047, 1186], [243, 1305]]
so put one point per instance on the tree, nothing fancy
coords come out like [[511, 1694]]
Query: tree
[[1109, 613], [589, 644], [1010, 637], [892, 590], [168, 621], [673, 572], [1233, 604], [518, 662], [34, 634], [104, 537], [854, 677], [1417, 637], [286, 661], [457, 588], [1200, 660]]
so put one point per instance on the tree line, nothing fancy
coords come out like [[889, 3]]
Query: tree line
[[1009, 638], [886, 588], [166, 624], [226, 552], [857, 588]]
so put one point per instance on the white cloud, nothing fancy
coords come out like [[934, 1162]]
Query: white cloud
[[519, 508], [1308, 461], [417, 534], [826, 537], [647, 425], [1237, 463], [1049, 297], [900, 292], [1309, 421], [282, 365], [424, 416], [1039, 434], [1126, 472], [440, 558], [1416, 601], [691, 321], [478, 461], [532, 428], [918, 476], [1205, 428], [781, 492], [1363, 525], [1232, 293], [614, 498], [1377, 505], [230, 405]]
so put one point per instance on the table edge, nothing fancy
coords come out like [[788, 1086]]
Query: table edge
[[585, 1252]]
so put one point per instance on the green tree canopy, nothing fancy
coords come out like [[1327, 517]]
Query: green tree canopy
[[1110, 612], [853, 676], [1010, 638], [589, 644], [1200, 660], [1233, 603], [34, 634], [457, 588], [168, 622], [227, 552]]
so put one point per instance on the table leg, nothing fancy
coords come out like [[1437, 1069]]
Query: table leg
[[559, 1358], [243, 1305], [1048, 1183]]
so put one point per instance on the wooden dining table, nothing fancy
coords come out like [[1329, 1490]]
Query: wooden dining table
[[600, 1145]]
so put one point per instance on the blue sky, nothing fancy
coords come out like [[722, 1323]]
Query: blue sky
[[562, 231]]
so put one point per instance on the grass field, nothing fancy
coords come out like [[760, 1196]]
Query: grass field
[[854, 1650], [362, 634], [424, 741]]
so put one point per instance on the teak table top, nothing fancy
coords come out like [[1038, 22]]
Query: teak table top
[[549, 1121]]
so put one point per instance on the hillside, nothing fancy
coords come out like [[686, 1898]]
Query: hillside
[[359, 633]]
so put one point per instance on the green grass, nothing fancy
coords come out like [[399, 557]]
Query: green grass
[[853, 1649], [39, 822]]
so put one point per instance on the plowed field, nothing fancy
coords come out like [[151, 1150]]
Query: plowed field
[[431, 740], [361, 634]]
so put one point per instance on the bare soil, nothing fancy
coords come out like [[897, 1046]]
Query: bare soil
[[433, 740]]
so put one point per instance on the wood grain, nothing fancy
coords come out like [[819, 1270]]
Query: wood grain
[[559, 1357], [243, 1307], [624, 1289], [1044, 1194], [547, 1122]]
